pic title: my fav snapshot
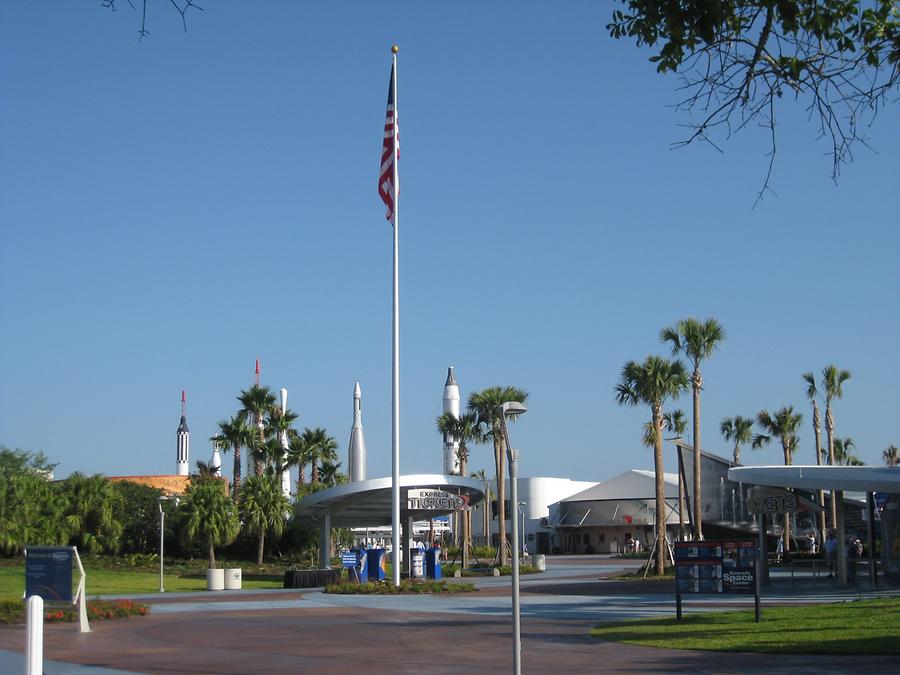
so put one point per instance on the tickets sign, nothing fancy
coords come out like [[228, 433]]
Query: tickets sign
[[435, 500]]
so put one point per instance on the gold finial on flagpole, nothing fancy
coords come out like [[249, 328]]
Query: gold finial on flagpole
[[395, 49]]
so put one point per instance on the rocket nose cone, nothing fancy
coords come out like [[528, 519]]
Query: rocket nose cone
[[357, 392]]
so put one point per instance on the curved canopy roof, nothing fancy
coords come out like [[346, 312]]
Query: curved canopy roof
[[847, 478], [367, 503]]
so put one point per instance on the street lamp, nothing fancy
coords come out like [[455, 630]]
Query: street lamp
[[162, 523], [513, 408]]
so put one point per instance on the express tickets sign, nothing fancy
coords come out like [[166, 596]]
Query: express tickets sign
[[435, 500]]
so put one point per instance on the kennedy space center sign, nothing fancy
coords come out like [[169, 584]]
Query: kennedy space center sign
[[435, 500]]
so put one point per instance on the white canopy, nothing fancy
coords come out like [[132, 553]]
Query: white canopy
[[847, 478]]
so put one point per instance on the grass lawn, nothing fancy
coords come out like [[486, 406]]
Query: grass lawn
[[857, 627], [126, 581]]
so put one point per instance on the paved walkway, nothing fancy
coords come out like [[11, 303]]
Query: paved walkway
[[289, 631]]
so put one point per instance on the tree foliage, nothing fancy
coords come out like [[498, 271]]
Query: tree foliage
[[211, 518], [737, 59]]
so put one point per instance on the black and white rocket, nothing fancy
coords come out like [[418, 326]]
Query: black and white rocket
[[451, 405], [184, 441], [357, 448]]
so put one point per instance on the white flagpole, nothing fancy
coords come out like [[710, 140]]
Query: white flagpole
[[395, 375]]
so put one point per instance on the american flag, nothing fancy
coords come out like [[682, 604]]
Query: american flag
[[389, 181]]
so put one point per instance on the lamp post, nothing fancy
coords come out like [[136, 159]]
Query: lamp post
[[162, 523], [513, 408]]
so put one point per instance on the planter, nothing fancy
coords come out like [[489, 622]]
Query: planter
[[539, 562], [232, 578], [215, 580]]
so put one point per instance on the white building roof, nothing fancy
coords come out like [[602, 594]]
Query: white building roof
[[633, 484]]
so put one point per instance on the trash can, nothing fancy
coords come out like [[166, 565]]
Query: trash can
[[376, 564], [433, 563], [232, 578], [418, 565], [215, 580], [539, 561]]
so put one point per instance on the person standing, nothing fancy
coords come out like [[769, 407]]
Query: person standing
[[830, 553]]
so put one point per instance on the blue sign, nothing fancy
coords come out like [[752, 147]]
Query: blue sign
[[348, 558], [48, 572]]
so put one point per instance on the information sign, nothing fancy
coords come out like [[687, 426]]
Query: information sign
[[48, 572], [714, 567]]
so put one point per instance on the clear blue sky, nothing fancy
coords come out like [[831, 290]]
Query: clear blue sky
[[174, 209]]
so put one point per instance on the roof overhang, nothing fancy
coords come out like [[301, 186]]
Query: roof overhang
[[367, 503], [847, 478]]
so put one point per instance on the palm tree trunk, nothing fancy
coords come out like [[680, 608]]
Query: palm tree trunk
[[466, 530], [501, 493], [737, 453], [820, 494], [236, 472], [786, 534], [262, 544], [829, 429], [660, 493], [212, 557], [698, 510]]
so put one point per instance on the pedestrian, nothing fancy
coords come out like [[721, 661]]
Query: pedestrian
[[852, 557], [830, 552], [779, 549], [811, 543]]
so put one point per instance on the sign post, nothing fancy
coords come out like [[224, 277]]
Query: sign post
[[713, 567]]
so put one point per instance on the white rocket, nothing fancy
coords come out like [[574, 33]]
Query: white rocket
[[357, 449], [286, 475], [216, 462], [451, 405], [184, 441]]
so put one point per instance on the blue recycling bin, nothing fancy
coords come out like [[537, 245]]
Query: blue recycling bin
[[433, 563], [376, 565]]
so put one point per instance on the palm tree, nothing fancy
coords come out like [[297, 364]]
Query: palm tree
[[463, 430], [812, 393], [236, 433], [211, 515], [891, 455], [697, 340], [485, 404], [298, 455], [739, 430], [258, 402], [652, 383], [330, 473], [783, 424], [833, 380], [481, 475], [92, 512], [320, 447], [842, 452], [264, 508]]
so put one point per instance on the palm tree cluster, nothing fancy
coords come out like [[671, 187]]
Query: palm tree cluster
[[267, 433]]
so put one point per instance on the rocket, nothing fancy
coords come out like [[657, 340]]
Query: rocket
[[357, 448], [451, 405], [285, 475], [215, 463], [184, 441]]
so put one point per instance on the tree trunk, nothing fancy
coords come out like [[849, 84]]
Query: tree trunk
[[698, 510], [820, 494], [466, 531], [737, 453], [829, 429], [501, 493], [660, 492], [262, 544], [212, 557], [786, 533], [235, 488]]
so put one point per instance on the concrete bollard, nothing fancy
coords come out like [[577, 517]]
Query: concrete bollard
[[34, 653]]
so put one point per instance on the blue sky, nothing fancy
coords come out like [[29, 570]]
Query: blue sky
[[174, 209]]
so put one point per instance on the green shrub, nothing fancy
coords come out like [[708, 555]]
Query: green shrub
[[405, 587]]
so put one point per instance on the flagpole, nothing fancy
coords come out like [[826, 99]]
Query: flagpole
[[395, 359]]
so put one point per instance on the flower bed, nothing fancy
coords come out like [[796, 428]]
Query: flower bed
[[351, 588], [13, 611]]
